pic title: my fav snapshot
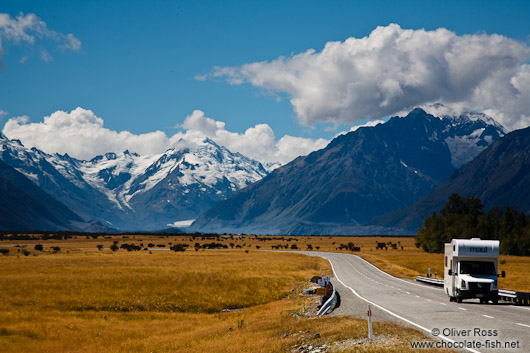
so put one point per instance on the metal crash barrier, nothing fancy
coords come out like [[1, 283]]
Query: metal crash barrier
[[521, 298], [327, 305]]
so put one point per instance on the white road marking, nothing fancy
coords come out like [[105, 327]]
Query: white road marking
[[429, 300], [443, 303], [407, 292], [390, 312], [417, 296], [489, 317], [462, 309], [383, 272], [522, 324], [519, 307]]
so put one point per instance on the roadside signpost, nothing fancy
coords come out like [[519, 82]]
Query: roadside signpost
[[370, 334], [321, 291]]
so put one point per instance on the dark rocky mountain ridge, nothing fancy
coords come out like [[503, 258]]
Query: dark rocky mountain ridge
[[24, 206], [358, 176], [499, 176]]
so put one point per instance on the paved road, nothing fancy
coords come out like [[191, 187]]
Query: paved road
[[478, 326]]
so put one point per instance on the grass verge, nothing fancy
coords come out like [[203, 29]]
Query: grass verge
[[102, 301]]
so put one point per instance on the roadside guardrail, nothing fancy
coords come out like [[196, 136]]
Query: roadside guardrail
[[327, 305], [433, 281], [521, 298]]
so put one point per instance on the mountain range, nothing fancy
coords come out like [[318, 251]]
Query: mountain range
[[381, 179], [499, 176], [25, 206], [127, 191], [358, 176]]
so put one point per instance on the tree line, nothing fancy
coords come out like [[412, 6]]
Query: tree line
[[465, 218]]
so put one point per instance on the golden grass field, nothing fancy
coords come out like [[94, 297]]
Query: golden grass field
[[408, 262], [81, 299]]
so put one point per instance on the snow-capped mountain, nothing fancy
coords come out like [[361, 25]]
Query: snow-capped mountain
[[129, 191], [359, 175], [499, 176], [25, 206], [469, 134]]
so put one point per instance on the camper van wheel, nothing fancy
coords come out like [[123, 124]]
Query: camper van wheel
[[483, 301], [459, 299], [495, 301], [451, 299]]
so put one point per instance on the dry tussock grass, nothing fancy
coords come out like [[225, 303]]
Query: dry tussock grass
[[407, 262], [165, 281], [99, 301]]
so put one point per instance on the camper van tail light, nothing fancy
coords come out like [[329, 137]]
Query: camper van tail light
[[463, 284]]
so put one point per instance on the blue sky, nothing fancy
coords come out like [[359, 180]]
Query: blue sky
[[138, 62]]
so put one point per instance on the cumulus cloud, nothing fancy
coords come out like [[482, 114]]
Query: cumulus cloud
[[29, 29], [82, 134], [393, 70], [258, 142]]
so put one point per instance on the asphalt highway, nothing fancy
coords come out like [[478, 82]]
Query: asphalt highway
[[468, 326]]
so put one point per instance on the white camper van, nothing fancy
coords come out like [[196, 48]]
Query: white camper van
[[471, 270]]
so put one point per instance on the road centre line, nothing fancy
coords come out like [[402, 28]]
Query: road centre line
[[390, 312], [410, 283], [489, 317], [389, 275]]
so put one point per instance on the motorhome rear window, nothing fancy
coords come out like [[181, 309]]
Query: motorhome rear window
[[477, 268]]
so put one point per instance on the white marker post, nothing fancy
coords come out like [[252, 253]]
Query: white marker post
[[370, 335]]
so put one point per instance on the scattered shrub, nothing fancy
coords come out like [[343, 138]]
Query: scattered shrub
[[179, 247]]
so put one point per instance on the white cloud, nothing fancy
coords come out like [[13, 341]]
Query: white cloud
[[258, 142], [72, 42], [45, 56], [81, 134], [290, 147], [29, 29], [197, 121], [393, 70]]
